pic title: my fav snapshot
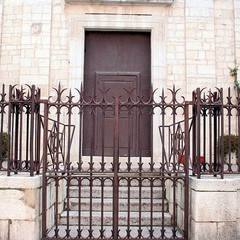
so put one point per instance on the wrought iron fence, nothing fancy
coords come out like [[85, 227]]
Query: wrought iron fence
[[216, 133], [106, 157], [214, 129], [20, 131]]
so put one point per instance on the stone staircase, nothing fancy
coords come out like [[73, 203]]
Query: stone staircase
[[139, 207]]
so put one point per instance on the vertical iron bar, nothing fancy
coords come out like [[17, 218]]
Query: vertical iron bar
[[32, 131], [140, 208], [215, 131], [102, 206], [140, 169], [69, 106], [2, 107], [194, 130], [10, 149], [221, 118], [27, 135], [129, 208], [211, 149], [103, 138], [204, 140], [238, 132], [44, 178], [79, 205], [151, 205], [80, 137], [16, 137], [115, 166], [56, 179], [198, 139], [187, 154], [57, 127], [129, 140], [38, 132], [93, 111], [162, 167], [21, 133]]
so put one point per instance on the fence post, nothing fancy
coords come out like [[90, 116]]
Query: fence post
[[44, 179], [187, 155], [115, 168]]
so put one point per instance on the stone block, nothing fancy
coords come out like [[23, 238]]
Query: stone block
[[203, 230], [15, 205], [25, 230], [206, 70], [227, 231], [4, 229], [210, 183], [20, 182], [214, 206]]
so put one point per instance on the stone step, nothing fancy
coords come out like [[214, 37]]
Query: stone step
[[133, 204], [134, 192], [74, 230], [95, 217]]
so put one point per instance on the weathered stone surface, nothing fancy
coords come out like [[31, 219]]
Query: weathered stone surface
[[227, 231], [4, 230], [14, 205], [214, 206], [20, 182], [166, 2], [203, 230], [24, 230], [210, 183]]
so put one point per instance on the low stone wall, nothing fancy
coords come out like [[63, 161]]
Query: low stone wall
[[214, 208], [20, 207]]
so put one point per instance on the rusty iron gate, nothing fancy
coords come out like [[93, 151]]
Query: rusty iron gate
[[119, 193], [101, 177], [102, 182]]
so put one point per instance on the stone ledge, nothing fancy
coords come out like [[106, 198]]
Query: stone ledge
[[20, 182], [230, 183], [162, 2]]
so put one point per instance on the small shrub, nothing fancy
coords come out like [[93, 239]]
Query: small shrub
[[4, 142], [230, 144]]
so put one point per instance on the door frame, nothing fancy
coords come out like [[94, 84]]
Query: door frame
[[82, 23]]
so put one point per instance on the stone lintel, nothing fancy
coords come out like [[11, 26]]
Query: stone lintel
[[162, 2]]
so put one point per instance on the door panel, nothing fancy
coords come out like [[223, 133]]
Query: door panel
[[115, 61], [115, 84]]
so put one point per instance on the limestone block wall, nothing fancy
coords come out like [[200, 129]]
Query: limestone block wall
[[214, 208], [20, 208], [193, 42]]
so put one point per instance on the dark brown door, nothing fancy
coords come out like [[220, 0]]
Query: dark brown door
[[117, 61]]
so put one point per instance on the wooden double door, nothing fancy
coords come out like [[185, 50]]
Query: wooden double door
[[118, 62]]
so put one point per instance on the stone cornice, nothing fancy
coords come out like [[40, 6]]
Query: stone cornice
[[163, 2]]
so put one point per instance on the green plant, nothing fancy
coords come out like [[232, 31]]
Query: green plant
[[228, 143], [234, 73], [4, 143]]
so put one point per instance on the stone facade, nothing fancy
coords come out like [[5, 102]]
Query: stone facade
[[193, 42]]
